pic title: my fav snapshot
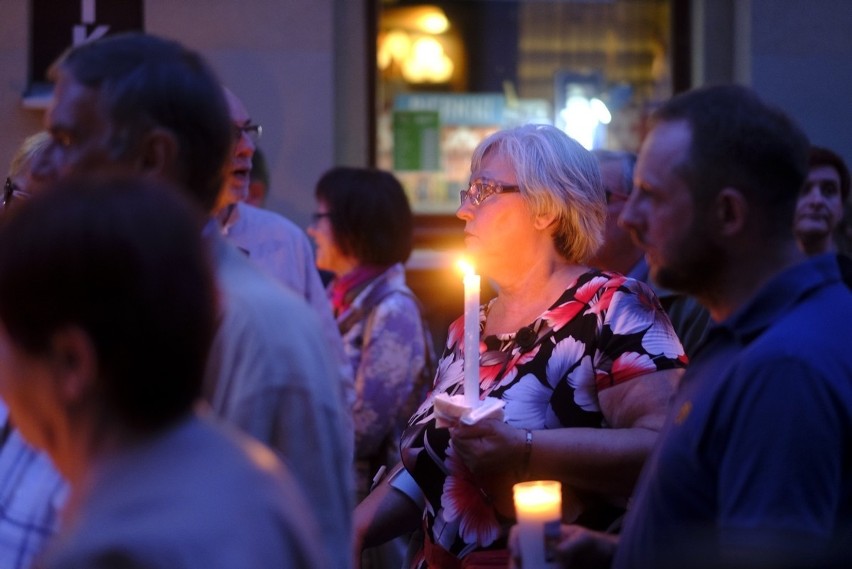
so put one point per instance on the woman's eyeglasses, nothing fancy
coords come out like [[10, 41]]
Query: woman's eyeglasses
[[481, 190], [12, 192]]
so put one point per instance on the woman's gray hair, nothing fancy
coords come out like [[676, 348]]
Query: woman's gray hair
[[26, 154], [555, 175]]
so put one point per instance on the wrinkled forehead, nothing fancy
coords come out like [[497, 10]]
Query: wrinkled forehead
[[823, 172]]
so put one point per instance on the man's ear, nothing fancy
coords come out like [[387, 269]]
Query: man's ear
[[158, 153], [74, 361], [731, 211]]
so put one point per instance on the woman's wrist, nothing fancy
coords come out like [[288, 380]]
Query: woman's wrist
[[526, 454]]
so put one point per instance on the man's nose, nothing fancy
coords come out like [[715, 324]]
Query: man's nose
[[812, 194], [629, 216], [245, 144]]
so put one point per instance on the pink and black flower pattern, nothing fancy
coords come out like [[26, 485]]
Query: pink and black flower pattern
[[605, 329]]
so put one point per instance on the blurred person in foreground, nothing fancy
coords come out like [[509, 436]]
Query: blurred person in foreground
[[106, 317], [620, 254], [272, 242], [363, 232], [754, 466], [143, 106], [32, 492], [585, 361]]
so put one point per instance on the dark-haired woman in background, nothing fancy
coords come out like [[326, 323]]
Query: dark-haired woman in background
[[363, 232]]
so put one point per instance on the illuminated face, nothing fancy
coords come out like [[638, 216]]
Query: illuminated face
[[500, 224], [661, 215], [819, 209]]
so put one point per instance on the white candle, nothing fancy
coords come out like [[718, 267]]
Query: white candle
[[538, 507], [471, 336]]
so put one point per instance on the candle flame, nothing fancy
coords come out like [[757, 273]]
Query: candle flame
[[465, 266], [538, 494]]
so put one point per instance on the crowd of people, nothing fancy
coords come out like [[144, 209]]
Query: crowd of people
[[179, 389]]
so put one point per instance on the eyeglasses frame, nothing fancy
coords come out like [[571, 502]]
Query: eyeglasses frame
[[484, 189], [252, 130], [12, 192]]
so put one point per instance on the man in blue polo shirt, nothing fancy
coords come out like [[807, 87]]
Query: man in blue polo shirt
[[754, 466]]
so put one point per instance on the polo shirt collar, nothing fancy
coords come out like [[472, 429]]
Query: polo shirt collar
[[780, 295]]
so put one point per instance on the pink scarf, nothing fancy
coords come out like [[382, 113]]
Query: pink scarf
[[344, 289]]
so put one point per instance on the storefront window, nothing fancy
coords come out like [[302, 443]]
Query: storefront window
[[452, 72]]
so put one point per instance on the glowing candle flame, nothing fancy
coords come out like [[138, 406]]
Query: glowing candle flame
[[465, 266]]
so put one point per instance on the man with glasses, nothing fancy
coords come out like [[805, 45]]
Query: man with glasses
[[271, 241], [148, 107], [620, 254]]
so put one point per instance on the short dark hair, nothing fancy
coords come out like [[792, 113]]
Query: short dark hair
[[147, 81], [740, 141], [369, 213], [124, 261], [822, 156], [627, 161]]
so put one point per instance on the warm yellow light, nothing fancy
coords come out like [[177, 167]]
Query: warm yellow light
[[415, 19], [395, 45], [427, 62], [538, 497], [464, 266], [434, 22]]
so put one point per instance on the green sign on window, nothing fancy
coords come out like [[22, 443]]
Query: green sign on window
[[416, 140]]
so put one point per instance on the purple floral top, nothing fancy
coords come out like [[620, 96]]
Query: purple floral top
[[605, 329]]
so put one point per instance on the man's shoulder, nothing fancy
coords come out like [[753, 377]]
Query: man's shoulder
[[241, 280], [806, 343], [258, 309], [181, 494], [269, 220], [177, 466]]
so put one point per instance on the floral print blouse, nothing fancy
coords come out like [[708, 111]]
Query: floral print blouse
[[605, 329], [383, 339]]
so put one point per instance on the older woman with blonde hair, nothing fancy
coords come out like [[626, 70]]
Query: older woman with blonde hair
[[19, 183], [585, 361]]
